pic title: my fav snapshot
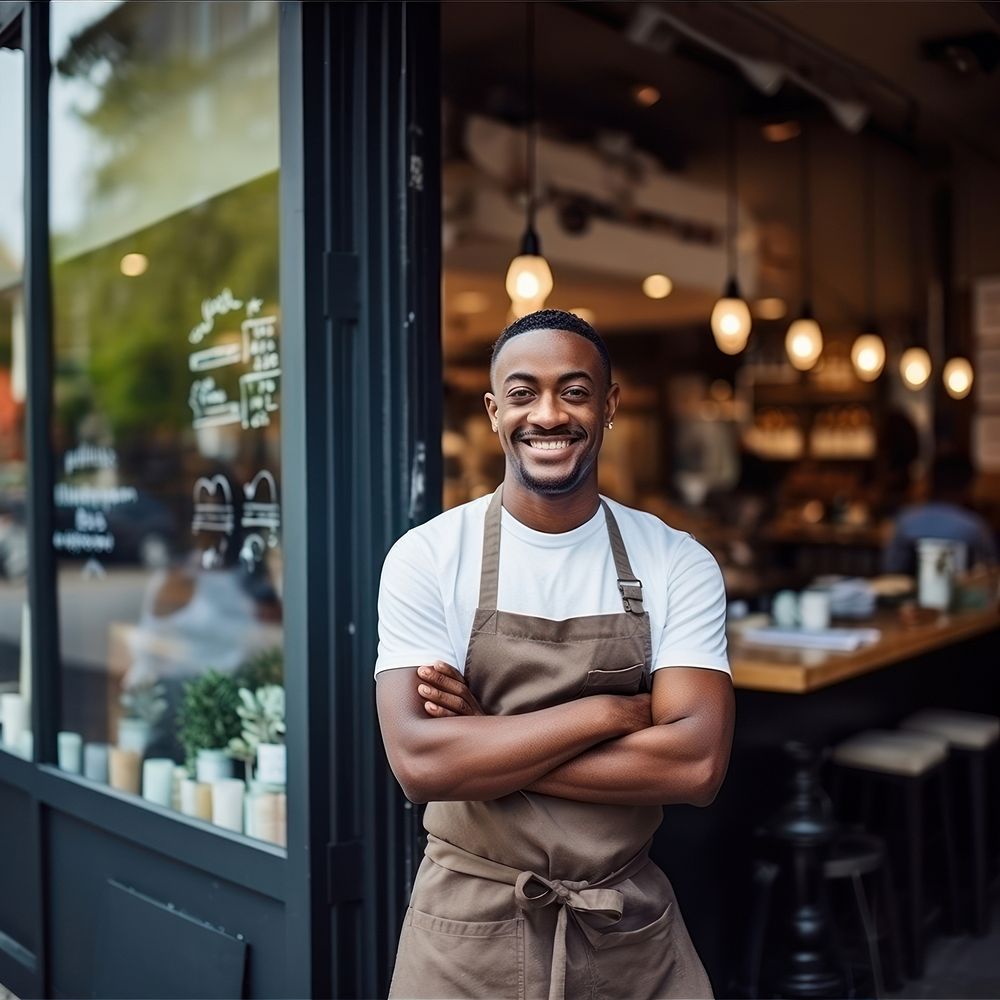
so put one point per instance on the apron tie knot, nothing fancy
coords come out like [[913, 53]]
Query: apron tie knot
[[575, 897]]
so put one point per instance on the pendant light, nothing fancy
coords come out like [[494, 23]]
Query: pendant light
[[804, 340], [915, 362], [731, 315], [868, 350], [957, 373], [529, 277]]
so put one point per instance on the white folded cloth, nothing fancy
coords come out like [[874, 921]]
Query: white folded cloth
[[838, 639]]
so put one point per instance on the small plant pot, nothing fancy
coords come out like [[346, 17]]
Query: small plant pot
[[134, 735], [271, 766], [213, 765]]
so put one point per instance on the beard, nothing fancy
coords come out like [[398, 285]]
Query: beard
[[553, 486]]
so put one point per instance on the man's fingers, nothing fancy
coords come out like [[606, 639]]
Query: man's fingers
[[443, 698], [436, 710], [442, 681], [448, 670]]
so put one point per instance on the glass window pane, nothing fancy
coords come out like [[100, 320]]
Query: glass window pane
[[164, 216], [15, 681]]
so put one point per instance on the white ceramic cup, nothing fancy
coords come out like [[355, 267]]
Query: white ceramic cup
[[814, 609]]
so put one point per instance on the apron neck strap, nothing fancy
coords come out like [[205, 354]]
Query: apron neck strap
[[490, 575], [629, 586]]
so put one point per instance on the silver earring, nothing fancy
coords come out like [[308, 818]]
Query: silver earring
[[611, 424]]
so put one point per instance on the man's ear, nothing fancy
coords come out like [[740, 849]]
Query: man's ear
[[611, 402], [491, 408]]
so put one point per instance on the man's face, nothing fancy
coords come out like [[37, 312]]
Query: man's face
[[549, 404]]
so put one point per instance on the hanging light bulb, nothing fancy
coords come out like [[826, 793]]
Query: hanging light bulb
[[529, 277], [868, 356], [958, 377], [915, 367], [731, 320], [731, 315], [804, 341]]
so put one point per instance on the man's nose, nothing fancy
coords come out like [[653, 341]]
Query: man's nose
[[548, 411]]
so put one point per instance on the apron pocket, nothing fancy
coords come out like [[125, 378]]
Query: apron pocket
[[458, 959], [624, 680]]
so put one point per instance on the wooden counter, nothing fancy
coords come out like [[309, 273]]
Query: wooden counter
[[799, 671]]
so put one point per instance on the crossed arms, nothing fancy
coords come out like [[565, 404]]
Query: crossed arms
[[669, 747]]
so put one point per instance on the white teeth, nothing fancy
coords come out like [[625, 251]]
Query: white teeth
[[549, 445]]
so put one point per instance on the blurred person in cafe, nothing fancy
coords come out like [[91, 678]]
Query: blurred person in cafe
[[944, 514]]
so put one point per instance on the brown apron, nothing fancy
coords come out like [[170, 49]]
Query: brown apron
[[534, 896]]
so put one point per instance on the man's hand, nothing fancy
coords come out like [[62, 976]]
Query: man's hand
[[445, 692]]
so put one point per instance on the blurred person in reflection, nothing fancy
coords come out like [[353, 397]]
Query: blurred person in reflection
[[552, 670], [944, 514]]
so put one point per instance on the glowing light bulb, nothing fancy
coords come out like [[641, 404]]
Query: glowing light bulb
[[529, 283], [657, 286], [804, 343], [134, 264], [958, 377], [868, 356], [915, 367], [731, 324]]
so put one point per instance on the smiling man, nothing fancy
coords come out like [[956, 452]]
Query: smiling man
[[552, 670]]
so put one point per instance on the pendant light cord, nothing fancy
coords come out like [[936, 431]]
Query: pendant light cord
[[532, 131], [731, 167], [804, 211], [870, 230]]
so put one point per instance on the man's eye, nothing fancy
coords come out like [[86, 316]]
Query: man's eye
[[576, 393], [519, 394]]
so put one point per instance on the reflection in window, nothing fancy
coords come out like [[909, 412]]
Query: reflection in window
[[164, 209], [15, 688]]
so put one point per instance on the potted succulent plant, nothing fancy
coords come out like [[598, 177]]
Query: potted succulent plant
[[143, 706], [208, 720], [262, 731]]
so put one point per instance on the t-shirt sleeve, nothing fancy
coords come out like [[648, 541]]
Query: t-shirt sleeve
[[411, 622], [694, 632]]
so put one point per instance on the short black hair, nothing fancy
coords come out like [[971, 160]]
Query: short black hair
[[554, 319]]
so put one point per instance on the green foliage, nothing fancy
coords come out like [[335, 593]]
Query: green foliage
[[261, 669], [145, 701], [208, 718], [262, 713]]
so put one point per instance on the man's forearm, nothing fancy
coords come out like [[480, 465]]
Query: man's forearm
[[661, 765], [485, 757]]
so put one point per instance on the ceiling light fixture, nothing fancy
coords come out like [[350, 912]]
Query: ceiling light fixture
[[646, 95], [529, 277], [731, 315], [958, 377], [804, 340], [657, 286], [134, 264], [915, 367], [868, 350]]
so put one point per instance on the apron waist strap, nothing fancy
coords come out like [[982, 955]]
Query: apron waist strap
[[533, 891]]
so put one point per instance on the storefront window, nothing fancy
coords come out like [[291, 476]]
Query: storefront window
[[15, 659], [166, 411]]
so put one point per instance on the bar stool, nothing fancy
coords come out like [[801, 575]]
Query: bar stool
[[906, 764], [972, 738], [854, 856]]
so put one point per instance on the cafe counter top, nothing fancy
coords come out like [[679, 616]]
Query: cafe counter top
[[798, 671]]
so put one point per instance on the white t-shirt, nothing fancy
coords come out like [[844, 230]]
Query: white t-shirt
[[430, 585]]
